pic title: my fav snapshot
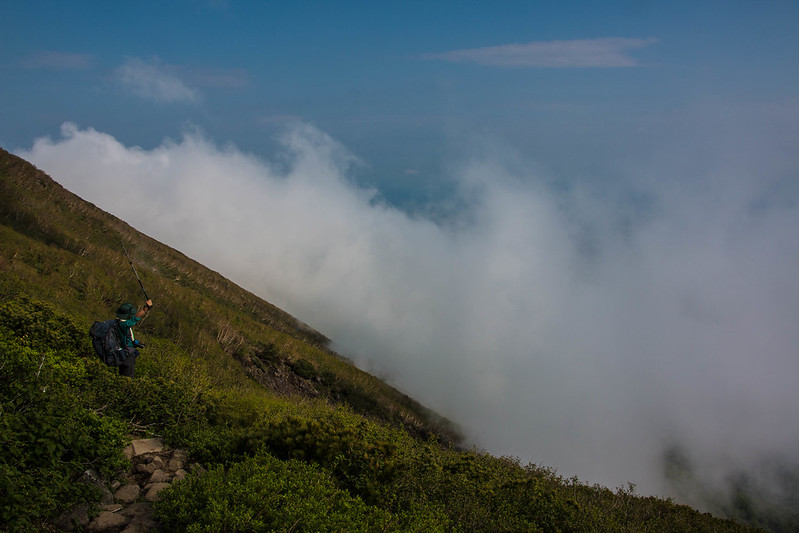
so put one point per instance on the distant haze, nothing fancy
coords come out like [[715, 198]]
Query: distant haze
[[584, 329]]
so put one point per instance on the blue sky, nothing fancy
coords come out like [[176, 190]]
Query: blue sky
[[571, 227], [385, 78]]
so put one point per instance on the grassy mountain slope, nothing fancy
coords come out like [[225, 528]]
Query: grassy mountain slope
[[75, 260], [294, 436]]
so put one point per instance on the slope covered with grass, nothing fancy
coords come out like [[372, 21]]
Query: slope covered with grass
[[292, 435]]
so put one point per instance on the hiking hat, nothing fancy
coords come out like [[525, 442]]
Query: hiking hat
[[126, 311]]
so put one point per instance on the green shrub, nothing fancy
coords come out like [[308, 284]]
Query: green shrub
[[39, 326], [264, 493], [48, 437], [355, 452], [304, 369], [476, 492]]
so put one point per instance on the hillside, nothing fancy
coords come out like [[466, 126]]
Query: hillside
[[249, 391], [78, 252]]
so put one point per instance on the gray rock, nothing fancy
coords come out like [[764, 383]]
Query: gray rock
[[177, 462], [138, 510], [75, 518], [150, 465], [90, 477], [107, 521], [180, 475], [128, 493], [152, 492], [142, 446], [141, 525], [133, 513], [112, 507], [141, 518], [159, 476], [148, 468]]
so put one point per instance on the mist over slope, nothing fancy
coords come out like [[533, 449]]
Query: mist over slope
[[594, 330]]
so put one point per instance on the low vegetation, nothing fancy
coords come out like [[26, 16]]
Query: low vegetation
[[292, 436]]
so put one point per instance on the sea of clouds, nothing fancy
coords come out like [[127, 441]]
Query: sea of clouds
[[587, 329]]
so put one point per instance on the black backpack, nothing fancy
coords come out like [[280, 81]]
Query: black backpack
[[107, 343]]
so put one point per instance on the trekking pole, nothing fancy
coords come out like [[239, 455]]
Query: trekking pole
[[137, 274]]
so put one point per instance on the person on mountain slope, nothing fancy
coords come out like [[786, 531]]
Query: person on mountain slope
[[127, 317]]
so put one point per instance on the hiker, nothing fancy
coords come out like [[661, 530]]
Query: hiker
[[128, 317]]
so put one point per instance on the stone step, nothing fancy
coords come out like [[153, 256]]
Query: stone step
[[129, 508]]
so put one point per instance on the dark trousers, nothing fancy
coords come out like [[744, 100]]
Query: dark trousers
[[127, 368]]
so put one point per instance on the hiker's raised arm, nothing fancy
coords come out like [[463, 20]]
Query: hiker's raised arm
[[143, 311]]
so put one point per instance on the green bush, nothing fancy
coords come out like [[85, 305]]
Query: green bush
[[354, 452], [304, 369], [39, 326], [477, 492], [48, 436], [264, 493]]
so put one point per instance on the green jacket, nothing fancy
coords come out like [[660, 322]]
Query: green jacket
[[126, 330]]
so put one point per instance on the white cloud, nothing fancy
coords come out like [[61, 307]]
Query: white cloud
[[608, 52], [562, 327], [154, 81]]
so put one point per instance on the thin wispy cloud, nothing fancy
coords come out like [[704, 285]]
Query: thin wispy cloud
[[611, 52], [155, 81], [48, 59]]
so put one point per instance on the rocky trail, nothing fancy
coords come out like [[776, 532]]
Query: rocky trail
[[126, 505]]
